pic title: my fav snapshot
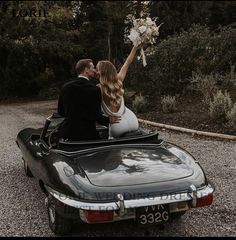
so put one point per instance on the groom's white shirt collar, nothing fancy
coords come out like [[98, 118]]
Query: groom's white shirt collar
[[81, 76]]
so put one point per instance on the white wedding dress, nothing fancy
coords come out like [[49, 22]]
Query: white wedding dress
[[128, 122]]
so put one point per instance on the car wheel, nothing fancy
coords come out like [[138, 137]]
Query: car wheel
[[177, 215], [57, 223], [28, 173]]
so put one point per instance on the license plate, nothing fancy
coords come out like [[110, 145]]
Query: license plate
[[156, 214]]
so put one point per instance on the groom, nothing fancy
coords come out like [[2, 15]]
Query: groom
[[80, 104]]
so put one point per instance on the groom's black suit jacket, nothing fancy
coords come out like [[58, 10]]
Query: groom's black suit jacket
[[80, 104]]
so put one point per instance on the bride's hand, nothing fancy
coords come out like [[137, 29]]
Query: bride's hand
[[139, 46], [114, 119]]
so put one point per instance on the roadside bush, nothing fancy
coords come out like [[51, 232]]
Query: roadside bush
[[220, 105], [168, 104], [204, 84], [139, 103], [231, 117]]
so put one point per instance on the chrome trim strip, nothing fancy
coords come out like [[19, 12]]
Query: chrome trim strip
[[164, 199], [81, 205], [106, 147]]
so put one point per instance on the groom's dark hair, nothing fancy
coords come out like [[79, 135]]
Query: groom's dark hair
[[82, 64]]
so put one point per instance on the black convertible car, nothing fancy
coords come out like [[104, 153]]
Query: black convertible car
[[137, 176]]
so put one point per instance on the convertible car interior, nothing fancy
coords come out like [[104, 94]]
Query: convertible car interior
[[50, 136]]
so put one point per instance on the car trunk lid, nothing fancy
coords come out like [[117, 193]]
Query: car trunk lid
[[133, 165]]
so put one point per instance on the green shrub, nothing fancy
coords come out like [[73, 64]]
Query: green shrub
[[220, 105], [206, 84], [139, 103], [231, 117], [168, 104]]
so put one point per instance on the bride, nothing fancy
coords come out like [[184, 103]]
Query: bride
[[111, 85]]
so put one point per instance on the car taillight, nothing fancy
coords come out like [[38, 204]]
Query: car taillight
[[204, 201], [98, 216]]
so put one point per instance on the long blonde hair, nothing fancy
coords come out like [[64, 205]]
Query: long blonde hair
[[112, 86]]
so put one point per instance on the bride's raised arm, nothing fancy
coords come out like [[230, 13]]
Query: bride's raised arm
[[123, 71]]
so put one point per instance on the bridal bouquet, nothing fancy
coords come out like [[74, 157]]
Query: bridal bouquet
[[144, 31]]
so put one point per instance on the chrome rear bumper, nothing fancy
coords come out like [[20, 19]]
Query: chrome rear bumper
[[189, 197]]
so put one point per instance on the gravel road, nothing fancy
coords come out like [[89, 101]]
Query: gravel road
[[22, 210]]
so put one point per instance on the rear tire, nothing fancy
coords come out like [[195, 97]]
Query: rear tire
[[57, 223], [28, 173]]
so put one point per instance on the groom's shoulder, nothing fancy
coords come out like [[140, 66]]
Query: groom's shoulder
[[80, 84], [69, 83]]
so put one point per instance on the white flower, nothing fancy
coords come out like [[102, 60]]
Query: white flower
[[149, 21], [142, 29], [135, 37]]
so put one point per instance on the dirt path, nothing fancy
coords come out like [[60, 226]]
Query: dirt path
[[22, 210]]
